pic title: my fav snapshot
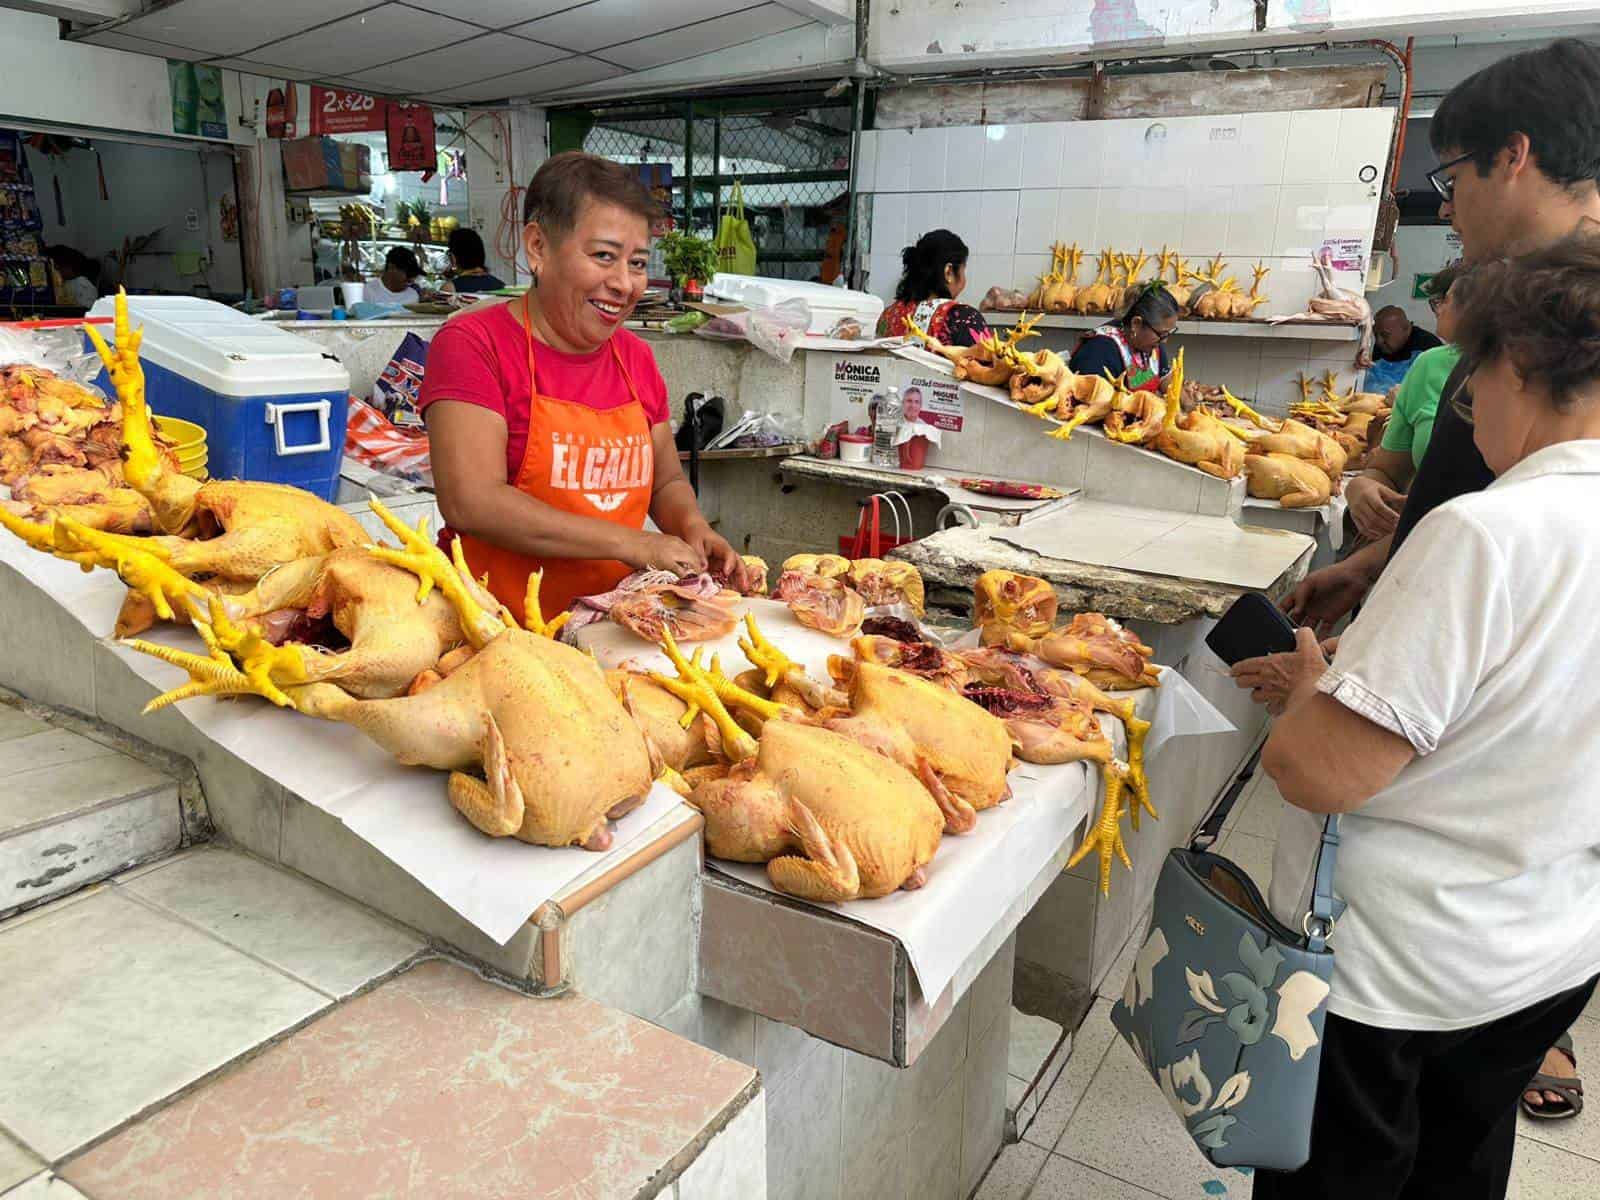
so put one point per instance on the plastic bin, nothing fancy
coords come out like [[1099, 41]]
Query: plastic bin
[[273, 405]]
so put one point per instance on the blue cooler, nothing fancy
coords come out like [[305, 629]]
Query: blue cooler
[[273, 405]]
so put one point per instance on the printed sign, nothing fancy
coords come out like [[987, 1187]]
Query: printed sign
[[334, 110], [934, 401], [1419, 285], [1344, 254], [855, 379], [198, 106]]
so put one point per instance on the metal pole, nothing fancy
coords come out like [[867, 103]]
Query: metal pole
[[688, 166], [852, 251], [716, 171]]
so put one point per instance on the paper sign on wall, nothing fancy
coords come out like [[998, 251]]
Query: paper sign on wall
[[198, 105], [938, 400], [1344, 254], [855, 379], [334, 110]]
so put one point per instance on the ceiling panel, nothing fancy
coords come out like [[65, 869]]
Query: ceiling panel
[[494, 14], [364, 41], [568, 72], [229, 27], [465, 62], [703, 38], [265, 70], [606, 22], [137, 45]]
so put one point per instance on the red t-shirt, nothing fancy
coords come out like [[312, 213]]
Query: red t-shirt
[[482, 358]]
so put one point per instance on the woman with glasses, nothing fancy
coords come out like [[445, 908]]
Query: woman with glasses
[[1133, 342], [1378, 494]]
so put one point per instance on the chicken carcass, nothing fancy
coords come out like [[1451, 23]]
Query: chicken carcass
[[882, 583], [987, 360], [1293, 482], [1096, 647], [1302, 441], [558, 752], [922, 659], [1334, 303], [829, 566], [682, 611], [828, 605], [1006, 603]]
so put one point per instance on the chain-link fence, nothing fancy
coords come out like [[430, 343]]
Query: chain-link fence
[[791, 160]]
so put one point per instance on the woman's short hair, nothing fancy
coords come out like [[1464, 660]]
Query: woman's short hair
[[1151, 303], [466, 247], [1541, 311], [567, 181], [924, 264], [403, 258]]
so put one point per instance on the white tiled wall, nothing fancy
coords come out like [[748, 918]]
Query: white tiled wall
[[1267, 186]]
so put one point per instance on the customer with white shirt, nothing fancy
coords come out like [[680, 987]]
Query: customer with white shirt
[[1456, 729]]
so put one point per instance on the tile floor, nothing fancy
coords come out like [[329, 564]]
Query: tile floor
[[1103, 1132]]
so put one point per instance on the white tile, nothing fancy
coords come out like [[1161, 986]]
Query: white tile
[[734, 1162], [803, 1133], [1116, 979], [38, 752], [928, 160], [1033, 1040], [1160, 1157], [924, 212], [1155, 153], [17, 1162], [1252, 220], [1064, 1179], [1121, 223], [963, 163], [1084, 153], [1205, 221], [1276, 387], [1540, 1172], [1002, 156], [1352, 210], [1044, 149], [934, 1165], [1028, 268], [1313, 136], [960, 213], [883, 273], [1163, 224], [298, 926], [1302, 217], [1013, 1173], [64, 788], [1222, 152], [15, 723], [1290, 285], [1264, 140], [1365, 141], [110, 977], [1036, 220], [889, 224], [1016, 1089], [894, 160], [1078, 216], [46, 1186], [997, 224], [867, 162], [985, 271], [1089, 1046]]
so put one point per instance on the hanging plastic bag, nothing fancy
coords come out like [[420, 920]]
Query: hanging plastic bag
[[776, 331], [736, 247]]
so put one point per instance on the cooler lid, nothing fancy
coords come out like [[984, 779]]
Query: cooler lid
[[226, 352], [758, 292]]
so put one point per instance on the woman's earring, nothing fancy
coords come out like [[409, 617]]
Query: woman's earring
[[534, 271]]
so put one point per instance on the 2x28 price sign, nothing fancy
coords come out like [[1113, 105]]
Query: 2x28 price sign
[[334, 110]]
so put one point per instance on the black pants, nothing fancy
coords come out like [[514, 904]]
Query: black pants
[[1409, 1115]]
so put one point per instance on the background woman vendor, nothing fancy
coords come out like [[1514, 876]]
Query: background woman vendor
[[935, 274], [1133, 342], [548, 420]]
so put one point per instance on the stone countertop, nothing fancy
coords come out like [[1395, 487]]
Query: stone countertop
[[954, 558]]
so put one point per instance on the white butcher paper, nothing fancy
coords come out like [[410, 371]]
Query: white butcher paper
[[495, 884], [974, 879]]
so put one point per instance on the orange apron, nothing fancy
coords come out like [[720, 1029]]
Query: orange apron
[[578, 460]]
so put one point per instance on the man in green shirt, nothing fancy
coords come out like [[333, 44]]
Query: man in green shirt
[[1378, 494]]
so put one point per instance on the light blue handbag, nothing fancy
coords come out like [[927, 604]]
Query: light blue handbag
[[1225, 1004]]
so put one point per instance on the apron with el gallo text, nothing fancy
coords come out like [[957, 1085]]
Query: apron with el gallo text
[[593, 463]]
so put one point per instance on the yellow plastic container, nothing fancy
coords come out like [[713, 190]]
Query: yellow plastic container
[[182, 433], [197, 471]]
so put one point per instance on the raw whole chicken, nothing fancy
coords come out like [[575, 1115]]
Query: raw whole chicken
[[988, 360], [999, 299], [1293, 482], [829, 566], [1299, 440], [1334, 303], [922, 659], [1099, 651], [558, 752], [659, 714], [828, 605], [1006, 603], [682, 611], [755, 573], [883, 583]]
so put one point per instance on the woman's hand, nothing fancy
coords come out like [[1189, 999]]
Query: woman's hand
[[1374, 507], [663, 552], [721, 559], [1273, 678]]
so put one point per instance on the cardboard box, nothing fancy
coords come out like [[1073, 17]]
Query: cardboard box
[[304, 166]]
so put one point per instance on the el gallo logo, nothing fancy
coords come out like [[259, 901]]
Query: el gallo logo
[[845, 371]]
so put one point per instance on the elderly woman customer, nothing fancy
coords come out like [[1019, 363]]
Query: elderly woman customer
[[1455, 729]]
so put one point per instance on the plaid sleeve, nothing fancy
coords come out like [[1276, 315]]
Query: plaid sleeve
[[1365, 702]]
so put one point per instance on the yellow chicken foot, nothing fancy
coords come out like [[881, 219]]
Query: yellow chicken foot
[[1063, 432], [694, 687], [216, 673], [428, 563], [142, 567], [1244, 410], [762, 653], [141, 465], [533, 614], [1105, 836]]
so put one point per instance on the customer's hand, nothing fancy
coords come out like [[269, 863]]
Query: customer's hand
[[663, 552], [1325, 596], [721, 559], [1374, 507], [1272, 678]]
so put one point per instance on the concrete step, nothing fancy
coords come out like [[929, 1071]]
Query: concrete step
[[74, 810]]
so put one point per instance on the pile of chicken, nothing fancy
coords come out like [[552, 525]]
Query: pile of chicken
[[831, 593], [1208, 292], [61, 443], [1353, 419]]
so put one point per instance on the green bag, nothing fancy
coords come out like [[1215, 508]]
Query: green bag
[[736, 248]]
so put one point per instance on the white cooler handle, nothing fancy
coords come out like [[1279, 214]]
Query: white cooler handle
[[321, 407]]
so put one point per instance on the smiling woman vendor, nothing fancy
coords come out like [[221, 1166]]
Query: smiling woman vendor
[[548, 421]]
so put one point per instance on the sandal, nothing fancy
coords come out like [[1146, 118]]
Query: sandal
[[1568, 1087]]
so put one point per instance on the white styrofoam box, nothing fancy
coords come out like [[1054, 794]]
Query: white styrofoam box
[[1036, 220], [883, 274], [894, 160], [1205, 222], [1084, 157], [1352, 209], [1302, 217], [985, 271], [867, 162], [1313, 141], [227, 353], [1078, 216], [889, 223], [960, 212], [1002, 156], [1252, 220], [1264, 138], [996, 232], [1044, 149], [1028, 268], [1365, 137], [963, 159], [1121, 223], [925, 211], [828, 304], [927, 159]]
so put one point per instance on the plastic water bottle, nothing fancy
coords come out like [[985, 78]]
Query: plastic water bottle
[[891, 411]]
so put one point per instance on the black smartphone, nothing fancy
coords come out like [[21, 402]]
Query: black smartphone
[[1251, 627]]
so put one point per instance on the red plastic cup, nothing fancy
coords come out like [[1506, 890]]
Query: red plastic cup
[[913, 453]]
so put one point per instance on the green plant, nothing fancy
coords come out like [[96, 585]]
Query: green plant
[[421, 213], [402, 213], [688, 257]]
